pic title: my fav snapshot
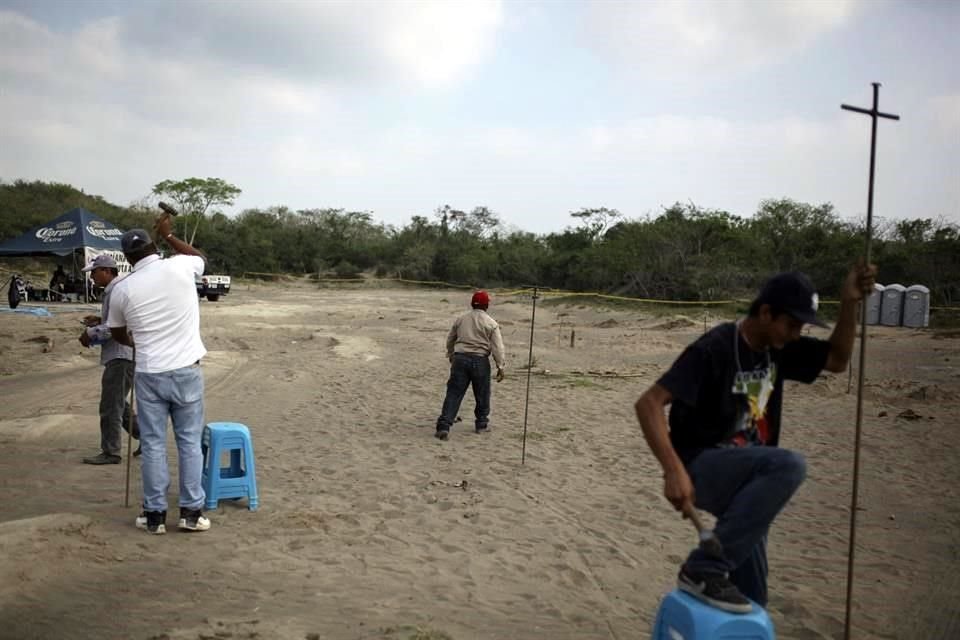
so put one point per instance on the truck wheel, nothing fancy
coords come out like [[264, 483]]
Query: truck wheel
[[213, 297]]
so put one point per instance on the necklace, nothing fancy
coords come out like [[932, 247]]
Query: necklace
[[736, 346]]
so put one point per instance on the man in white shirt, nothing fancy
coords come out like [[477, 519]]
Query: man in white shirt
[[157, 307], [474, 337]]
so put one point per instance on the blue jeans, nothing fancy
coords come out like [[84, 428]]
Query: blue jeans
[[745, 488], [179, 395], [466, 370]]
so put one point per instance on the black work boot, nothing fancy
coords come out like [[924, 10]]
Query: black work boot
[[102, 458]]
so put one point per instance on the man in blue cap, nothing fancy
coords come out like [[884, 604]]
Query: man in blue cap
[[156, 307], [719, 452], [117, 361]]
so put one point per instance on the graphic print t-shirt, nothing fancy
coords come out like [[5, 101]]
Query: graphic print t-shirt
[[718, 403], [756, 386]]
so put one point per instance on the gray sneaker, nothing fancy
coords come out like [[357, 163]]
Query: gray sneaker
[[102, 458]]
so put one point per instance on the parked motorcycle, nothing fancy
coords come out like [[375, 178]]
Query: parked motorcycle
[[17, 291]]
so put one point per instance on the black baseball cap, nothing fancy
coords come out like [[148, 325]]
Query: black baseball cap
[[134, 239], [793, 293]]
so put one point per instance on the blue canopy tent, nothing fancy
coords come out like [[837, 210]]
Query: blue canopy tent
[[75, 231]]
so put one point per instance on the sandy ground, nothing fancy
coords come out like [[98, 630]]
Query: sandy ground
[[371, 528]]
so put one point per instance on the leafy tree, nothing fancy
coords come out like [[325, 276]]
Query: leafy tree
[[811, 238], [480, 222], [596, 221], [412, 249], [194, 197], [923, 251], [685, 252]]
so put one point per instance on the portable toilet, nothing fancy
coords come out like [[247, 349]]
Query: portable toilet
[[874, 300], [891, 309], [916, 306]]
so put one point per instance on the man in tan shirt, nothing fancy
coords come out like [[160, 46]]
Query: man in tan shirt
[[474, 337]]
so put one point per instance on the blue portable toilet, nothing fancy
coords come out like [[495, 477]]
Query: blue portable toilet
[[683, 617], [891, 310], [916, 306], [874, 300]]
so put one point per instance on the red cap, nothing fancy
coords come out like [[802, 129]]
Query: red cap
[[480, 299]]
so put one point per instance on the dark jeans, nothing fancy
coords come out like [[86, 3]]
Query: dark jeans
[[114, 405], [466, 370], [745, 488]]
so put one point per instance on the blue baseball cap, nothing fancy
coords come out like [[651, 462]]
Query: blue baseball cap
[[794, 294]]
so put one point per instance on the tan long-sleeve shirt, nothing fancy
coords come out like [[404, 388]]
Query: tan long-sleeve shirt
[[477, 333]]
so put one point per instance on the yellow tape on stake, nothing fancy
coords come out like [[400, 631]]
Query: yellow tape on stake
[[553, 292], [931, 308], [576, 294], [432, 282]]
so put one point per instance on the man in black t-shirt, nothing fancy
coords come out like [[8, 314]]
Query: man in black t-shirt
[[720, 451]]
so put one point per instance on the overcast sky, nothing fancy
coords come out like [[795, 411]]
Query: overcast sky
[[533, 109]]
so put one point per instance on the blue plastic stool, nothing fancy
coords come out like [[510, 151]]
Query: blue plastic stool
[[683, 617], [239, 480]]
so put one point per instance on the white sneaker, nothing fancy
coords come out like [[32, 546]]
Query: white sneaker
[[193, 520]]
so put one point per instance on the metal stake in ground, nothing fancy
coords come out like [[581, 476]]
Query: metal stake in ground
[[526, 402], [874, 113], [126, 491]]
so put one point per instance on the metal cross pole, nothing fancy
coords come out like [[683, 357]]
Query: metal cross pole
[[874, 113], [526, 403]]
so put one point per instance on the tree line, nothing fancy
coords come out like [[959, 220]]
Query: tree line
[[685, 252]]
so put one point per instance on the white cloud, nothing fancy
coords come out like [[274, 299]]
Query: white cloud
[[504, 141], [27, 45], [210, 63], [708, 135], [435, 42], [946, 113], [222, 83], [719, 162], [665, 37], [300, 157], [33, 56], [422, 42], [661, 133]]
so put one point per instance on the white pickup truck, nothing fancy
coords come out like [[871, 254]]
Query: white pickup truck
[[212, 287]]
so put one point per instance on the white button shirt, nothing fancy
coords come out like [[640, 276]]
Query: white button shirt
[[158, 304]]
